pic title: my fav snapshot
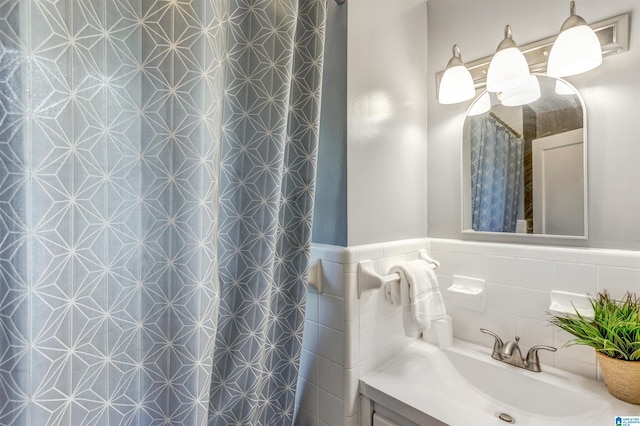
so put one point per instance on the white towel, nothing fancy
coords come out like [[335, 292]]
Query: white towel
[[419, 295], [392, 293]]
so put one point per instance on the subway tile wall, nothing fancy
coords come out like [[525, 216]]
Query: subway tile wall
[[519, 279], [347, 337]]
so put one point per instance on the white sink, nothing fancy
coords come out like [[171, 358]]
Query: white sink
[[463, 385], [531, 392]]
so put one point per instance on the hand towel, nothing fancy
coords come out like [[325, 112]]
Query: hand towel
[[420, 296], [392, 293]]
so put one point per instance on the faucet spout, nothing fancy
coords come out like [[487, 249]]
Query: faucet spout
[[511, 354]]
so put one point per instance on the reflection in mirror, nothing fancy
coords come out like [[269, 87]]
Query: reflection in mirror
[[524, 165]]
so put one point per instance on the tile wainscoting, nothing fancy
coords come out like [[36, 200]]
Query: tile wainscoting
[[346, 337]]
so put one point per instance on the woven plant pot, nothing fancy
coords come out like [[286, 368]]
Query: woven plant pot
[[621, 377]]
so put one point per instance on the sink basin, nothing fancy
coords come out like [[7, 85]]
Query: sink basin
[[521, 389], [463, 385]]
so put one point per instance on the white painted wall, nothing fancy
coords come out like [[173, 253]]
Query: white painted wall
[[386, 120], [611, 94]]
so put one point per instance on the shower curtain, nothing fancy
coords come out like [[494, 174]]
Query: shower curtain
[[157, 166], [496, 171]]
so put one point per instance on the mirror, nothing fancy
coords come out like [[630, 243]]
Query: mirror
[[524, 164]]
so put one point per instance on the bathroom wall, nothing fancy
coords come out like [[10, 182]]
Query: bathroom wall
[[371, 178], [386, 120], [330, 207], [611, 94]]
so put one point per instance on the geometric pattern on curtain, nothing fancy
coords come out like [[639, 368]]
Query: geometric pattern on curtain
[[496, 170], [269, 152], [109, 135]]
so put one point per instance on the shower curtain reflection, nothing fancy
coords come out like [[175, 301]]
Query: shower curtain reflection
[[118, 121], [496, 173]]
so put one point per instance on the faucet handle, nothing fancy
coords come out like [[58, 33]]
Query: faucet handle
[[533, 361], [497, 345]]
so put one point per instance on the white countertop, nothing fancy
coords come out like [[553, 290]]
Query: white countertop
[[422, 378]]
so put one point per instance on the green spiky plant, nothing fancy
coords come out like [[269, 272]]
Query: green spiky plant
[[614, 330]]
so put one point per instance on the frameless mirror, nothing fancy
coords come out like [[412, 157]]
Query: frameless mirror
[[524, 162]]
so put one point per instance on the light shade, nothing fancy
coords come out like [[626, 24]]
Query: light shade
[[508, 67], [522, 95], [456, 84], [481, 105], [576, 50]]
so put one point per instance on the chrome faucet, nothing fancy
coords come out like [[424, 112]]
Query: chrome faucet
[[510, 352]]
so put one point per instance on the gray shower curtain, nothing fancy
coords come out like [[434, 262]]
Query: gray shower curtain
[[157, 163], [496, 170]]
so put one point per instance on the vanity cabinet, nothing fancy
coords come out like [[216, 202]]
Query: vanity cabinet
[[384, 410]]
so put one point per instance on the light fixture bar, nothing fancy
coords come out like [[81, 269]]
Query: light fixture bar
[[613, 34]]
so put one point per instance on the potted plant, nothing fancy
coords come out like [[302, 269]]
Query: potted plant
[[614, 333]]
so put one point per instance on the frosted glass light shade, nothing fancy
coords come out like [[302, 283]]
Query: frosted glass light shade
[[508, 67], [576, 50], [456, 84], [522, 95], [481, 105]]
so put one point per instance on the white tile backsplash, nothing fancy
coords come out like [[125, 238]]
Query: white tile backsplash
[[532, 304], [331, 408], [333, 279], [308, 397], [351, 344], [346, 337], [331, 344], [368, 336], [617, 281], [468, 264], [332, 378], [574, 277], [533, 273], [501, 298], [518, 297], [311, 313], [500, 269], [331, 311]]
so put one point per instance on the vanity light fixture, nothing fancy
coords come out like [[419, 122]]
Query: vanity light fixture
[[529, 92], [508, 68], [577, 48], [612, 34], [457, 84]]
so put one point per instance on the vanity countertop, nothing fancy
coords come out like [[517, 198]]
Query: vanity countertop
[[423, 380]]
